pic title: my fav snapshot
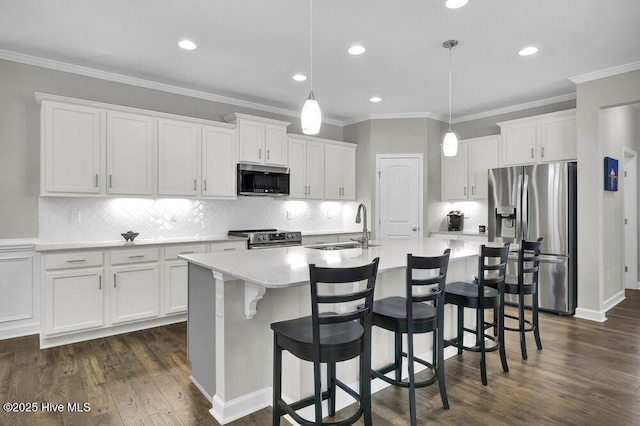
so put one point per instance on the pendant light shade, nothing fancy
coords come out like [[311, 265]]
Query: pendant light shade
[[450, 142], [311, 117]]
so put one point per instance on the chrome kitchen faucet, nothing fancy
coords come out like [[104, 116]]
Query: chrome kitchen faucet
[[364, 240]]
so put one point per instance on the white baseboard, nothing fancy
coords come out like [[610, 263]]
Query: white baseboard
[[613, 301], [227, 411], [590, 314], [19, 331]]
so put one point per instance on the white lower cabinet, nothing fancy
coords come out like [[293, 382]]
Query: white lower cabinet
[[135, 293], [176, 277]]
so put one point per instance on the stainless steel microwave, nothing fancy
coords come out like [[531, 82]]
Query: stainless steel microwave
[[263, 180]]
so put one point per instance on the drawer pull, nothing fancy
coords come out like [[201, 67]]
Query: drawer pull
[[99, 282], [76, 261], [230, 249], [140, 256], [114, 280], [186, 252], [319, 242]]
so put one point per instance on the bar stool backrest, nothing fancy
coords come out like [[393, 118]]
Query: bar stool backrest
[[492, 267], [362, 312], [439, 265], [529, 261]]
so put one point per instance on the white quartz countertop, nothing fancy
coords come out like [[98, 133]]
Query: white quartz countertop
[[289, 266], [476, 233], [136, 243], [332, 232]]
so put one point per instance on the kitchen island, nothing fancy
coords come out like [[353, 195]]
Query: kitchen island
[[234, 297]]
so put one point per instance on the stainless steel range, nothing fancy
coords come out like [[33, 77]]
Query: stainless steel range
[[268, 238]]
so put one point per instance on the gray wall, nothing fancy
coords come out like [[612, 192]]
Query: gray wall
[[20, 129], [592, 98]]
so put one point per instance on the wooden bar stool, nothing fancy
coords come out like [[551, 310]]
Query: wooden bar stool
[[410, 315], [481, 295], [328, 337], [528, 266]]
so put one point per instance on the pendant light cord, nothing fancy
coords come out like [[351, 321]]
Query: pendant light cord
[[311, 44], [449, 88]]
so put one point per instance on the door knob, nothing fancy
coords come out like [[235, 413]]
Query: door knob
[[414, 228]]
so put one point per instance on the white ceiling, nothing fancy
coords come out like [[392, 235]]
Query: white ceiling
[[250, 49]]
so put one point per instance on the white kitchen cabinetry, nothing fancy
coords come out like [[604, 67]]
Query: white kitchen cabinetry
[[130, 141], [306, 159], [261, 140], [464, 176], [539, 139], [71, 142], [176, 276], [340, 172], [73, 292], [177, 157], [219, 152], [135, 291], [19, 309]]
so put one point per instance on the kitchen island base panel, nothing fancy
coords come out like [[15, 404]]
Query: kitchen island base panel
[[231, 355]]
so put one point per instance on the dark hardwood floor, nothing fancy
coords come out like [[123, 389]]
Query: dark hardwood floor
[[587, 374]]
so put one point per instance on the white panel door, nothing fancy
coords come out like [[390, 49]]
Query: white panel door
[[315, 170], [557, 135], [177, 157], [134, 293], [519, 141], [483, 155], [218, 162], [175, 287], [16, 287], [348, 173], [275, 145], [399, 196], [297, 168], [72, 142], [630, 176], [455, 175], [73, 300], [250, 141], [129, 153], [332, 175]]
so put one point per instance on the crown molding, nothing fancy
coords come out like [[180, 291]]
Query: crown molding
[[609, 72], [148, 84], [398, 115], [514, 108]]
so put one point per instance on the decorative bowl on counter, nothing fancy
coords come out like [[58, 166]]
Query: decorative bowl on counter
[[129, 236]]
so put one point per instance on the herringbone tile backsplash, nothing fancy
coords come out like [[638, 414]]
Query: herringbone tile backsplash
[[100, 219]]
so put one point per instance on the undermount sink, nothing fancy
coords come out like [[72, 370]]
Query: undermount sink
[[343, 246]]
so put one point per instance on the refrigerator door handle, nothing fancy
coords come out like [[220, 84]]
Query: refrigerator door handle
[[525, 207], [517, 235]]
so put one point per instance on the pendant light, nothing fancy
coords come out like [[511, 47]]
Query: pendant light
[[450, 143], [311, 117]]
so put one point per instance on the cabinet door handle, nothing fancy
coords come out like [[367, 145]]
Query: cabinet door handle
[[205, 184], [115, 280], [268, 153], [76, 260], [186, 252], [543, 152], [194, 184], [465, 190], [230, 249], [309, 189], [532, 153], [139, 256], [305, 190], [473, 190], [96, 180], [259, 152], [110, 181], [99, 282]]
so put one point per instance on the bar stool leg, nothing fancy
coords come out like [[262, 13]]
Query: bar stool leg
[[480, 342], [536, 328], [365, 387], [503, 353], [460, 328], [331, 384], [277, 383], [439, 363], [523, 342], [318, 393], [412, 385], [398, 361]]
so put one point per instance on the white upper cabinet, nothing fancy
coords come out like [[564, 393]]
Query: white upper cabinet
[[340, 172], [464, 176], [261, 140], [306, 159], [71, 142], [177, 157], [539, 139], [219, 147], [130, 143]]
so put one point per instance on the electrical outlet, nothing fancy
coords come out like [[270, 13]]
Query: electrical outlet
[[75, 216], [311, 214], [329, 214], [219, 306], [173, 217], [289, 215]]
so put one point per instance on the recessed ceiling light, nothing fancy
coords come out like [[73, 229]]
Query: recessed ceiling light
[[187, 45], [454, 4], [375, 99], [528, 51], [356, 50], [299, 77]]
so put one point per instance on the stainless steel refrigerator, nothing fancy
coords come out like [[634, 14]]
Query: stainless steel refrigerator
[[527, 202]]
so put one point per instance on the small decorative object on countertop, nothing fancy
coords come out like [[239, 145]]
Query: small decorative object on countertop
[[129, 236], [482, 228]]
